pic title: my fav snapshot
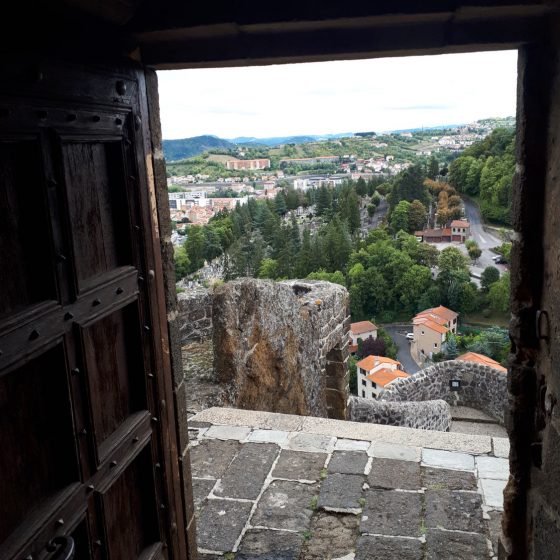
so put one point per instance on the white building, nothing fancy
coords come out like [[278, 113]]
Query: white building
[[375, 373]]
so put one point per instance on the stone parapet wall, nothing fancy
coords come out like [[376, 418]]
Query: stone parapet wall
[[482, 387], [282, 346], [429, 415], [195, 314]]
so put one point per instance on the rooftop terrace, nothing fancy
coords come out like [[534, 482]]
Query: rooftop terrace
[[281, 487]]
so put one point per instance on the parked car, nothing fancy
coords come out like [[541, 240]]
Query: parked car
[[498, 259], [409, 336]]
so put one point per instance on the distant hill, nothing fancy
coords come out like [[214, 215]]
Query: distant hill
[[189, 147], [277, 140]]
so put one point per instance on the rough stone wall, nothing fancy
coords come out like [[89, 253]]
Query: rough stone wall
[[429, 415], [482, 387], [195, 314], [283, 346], [195, 326]]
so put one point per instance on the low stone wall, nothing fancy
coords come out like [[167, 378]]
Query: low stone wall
[[482, 387], [283, 346], [195, 314], [430, 415]]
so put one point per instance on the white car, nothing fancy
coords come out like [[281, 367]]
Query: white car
[[409, 336]]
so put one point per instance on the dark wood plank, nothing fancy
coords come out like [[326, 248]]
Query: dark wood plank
[[38, 455]]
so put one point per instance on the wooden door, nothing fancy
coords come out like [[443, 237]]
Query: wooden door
[[86, 437]]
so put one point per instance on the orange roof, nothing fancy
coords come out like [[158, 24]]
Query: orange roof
[[385, 376], [370, 362], [432, 325], [460, 223], [428, 316], [362, 327], [482, 359], [444, 312]]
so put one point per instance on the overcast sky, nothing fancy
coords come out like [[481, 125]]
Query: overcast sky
[[343, 96]]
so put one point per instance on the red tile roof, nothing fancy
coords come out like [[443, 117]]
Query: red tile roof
[[362, 327], [370, 362], [482, 359], [460, 224], [385, 376], [444, 312]]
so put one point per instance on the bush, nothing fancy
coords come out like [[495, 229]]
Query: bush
[[486, 313]]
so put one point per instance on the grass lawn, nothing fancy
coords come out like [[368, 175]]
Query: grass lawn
[[496, 319]]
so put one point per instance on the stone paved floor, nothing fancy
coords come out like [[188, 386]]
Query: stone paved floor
[[272, 494]]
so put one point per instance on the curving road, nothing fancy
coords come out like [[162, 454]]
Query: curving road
[[398, 334]]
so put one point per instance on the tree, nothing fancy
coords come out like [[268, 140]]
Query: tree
[[409, 185], [334, 277], [373, 347], [413, 284], [474, 252], [489, 275], [451, 350], [417, 216], [194, 247], [181, 262], [433, 168], [268, 269], [499, 293], [451, 259], [371, 210], [399, 217]]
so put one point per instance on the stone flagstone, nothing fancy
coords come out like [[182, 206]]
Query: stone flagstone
[[220, 523], [388, 548], [493, 492], [447, 459], [342, 493], [394, 451], [286, 505], [387, 512], [492, 467], [247, 472], [299, 465], [348, 462]]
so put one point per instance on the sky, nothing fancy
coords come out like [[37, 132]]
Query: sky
[[340, 96]]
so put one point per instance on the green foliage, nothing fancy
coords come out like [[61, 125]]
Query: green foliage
[[474, 251], [499, 293], [486, 169], [400, 217], [268, 269], [182, 262], [505, 250], [334, 277], [417, 216], [390, 346], [493, 342], [194, 247], [409, 186], [451, 347], [489, 275]]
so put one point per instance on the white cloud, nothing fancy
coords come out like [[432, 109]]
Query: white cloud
[[341, 96]]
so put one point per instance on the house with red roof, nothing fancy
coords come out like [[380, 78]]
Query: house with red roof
[[460, 230], [363, 330], [430, 328], [375, 373]]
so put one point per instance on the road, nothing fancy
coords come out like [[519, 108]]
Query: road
[[403, 353], [485, 240]]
